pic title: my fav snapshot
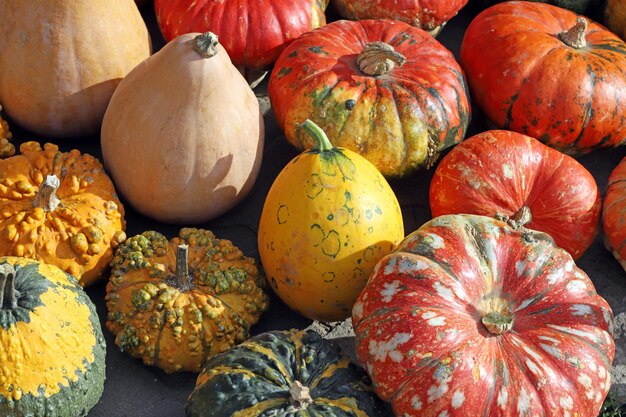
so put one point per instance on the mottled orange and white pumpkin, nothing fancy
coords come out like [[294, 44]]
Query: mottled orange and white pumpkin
[[471, 314]]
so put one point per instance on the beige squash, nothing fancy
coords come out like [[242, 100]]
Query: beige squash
[[183, 134], [62, 60]]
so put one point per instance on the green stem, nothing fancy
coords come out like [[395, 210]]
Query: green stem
[[206, 44], [322, 143], [497, 323], [183, 280], [8, 293]]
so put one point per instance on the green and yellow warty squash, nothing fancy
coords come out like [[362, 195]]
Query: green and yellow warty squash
[[52, 351], [328, 218], [174, 304], [284, 373]]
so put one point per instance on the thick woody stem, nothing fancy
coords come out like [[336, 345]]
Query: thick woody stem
[[575, 36], [379, 58], [206, 44], [300, 396], [46, 197], [183, 280], [8, 293]]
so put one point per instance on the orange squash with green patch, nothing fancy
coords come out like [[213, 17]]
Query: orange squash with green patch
[[327, 219], [52, 352]]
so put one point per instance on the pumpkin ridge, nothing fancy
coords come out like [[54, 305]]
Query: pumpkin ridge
[[345, 123], [588, 111], [401, 123]]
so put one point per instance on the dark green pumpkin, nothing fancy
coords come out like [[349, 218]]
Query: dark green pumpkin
[[52, 352], [578, 6], [284, 373]]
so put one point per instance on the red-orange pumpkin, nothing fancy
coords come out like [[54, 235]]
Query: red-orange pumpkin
[[536, 69], [471, 317], [502, 173], [381, 88], [614, 213], [253, 32], [429, 15]]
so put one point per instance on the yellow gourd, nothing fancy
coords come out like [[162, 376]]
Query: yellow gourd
[[329, 217]]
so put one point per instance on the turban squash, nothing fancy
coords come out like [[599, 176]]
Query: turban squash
[[545, 72], [381, 88], [59, 208], [469, 312], [253, 32], [510, 175], [176, 303], [52, 352], [284, 373]]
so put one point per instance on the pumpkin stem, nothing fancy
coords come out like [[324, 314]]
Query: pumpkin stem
[[183, 280], [575, 36], [497, 323], [517, 221], [322, 143], [8, 293], [205, 44], [300, 396], [379, 58], [46, 197]]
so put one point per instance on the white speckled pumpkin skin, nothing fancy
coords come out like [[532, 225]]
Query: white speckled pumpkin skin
[[420, 332]]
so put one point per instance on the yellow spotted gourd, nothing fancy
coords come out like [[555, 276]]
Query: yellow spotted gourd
[[329, 217]]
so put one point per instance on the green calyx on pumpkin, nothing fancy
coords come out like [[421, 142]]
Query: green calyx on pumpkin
[[497, 323], [46, 197], [206, 44], [379, 58], [575, 36], [8, 293]]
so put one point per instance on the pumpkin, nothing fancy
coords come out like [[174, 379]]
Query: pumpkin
[[59, 208], [61, 61], [542, 71], [183, 134], [428, 15], [615, 17], [286, 373], [253, 32], [471, 314], [613, 216], [372, 91], [327, 219], [174, 304], [507, 174], [6, 148], [51, 346], [578, 6]]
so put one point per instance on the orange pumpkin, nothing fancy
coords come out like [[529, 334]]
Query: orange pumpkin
[[6, 148], [59, 208]]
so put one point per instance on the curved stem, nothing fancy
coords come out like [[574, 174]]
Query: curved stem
[[379, 58], [575, 36], [300, 396], [206, 44], [322, 143], [8, 293], [518, 220], [497, 323], [183, 280], [46, 197]]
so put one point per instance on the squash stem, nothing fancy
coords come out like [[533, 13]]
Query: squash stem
[[379, 58], [497, 323], [575, 36], [300, 396], [8, 293], [183, 280], [46, 197], [206, 44], [322, 143]]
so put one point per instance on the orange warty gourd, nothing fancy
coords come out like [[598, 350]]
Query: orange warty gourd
[[61, 61], [327, 219], [6, 148], [176, 303], [59, 208], [183, 135]]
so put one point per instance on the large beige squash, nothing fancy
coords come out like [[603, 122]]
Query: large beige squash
[[62, 59], [183, 134]]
